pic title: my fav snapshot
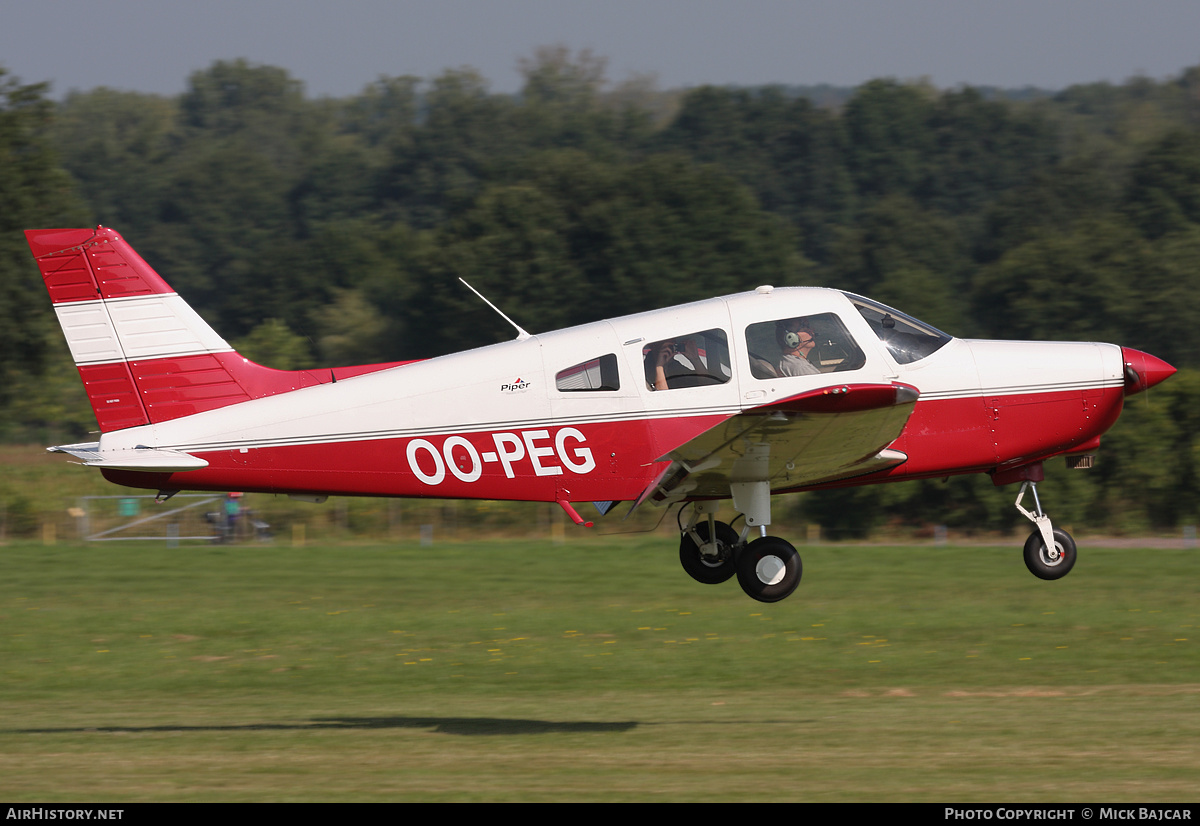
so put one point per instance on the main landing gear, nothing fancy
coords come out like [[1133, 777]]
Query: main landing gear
[[1049, 551], [768, 568]]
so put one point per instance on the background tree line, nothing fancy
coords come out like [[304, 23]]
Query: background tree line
[[331, 231]]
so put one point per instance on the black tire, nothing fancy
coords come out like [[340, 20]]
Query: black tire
[[705, 569], [769, 569], [1041, 564]]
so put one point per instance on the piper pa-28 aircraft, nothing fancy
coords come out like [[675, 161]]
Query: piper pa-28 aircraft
[[739, 397]]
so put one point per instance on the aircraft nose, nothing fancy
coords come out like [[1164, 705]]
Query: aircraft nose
[[1143, 371]]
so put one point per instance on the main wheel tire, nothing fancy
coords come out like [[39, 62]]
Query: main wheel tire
[[769, 569], [705, 569], [1046, 565]]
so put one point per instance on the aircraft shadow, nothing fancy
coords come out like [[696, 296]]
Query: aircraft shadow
[[467, 726]]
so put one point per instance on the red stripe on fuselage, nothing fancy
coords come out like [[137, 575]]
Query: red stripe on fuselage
[[616, 460], [594, 461]]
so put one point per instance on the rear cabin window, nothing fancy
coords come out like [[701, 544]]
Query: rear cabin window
[[801, 346], [692, 360], [596, 374]]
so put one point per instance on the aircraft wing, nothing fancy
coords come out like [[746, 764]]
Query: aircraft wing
[[822, 435]]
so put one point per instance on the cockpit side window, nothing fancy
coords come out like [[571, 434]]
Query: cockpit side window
[[907, 339], [691, 360], [801, 346], [595, 374]]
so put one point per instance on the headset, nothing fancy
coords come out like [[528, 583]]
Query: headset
[[792, 339]]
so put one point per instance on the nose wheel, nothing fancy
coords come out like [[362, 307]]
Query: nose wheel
[[1050, 562]]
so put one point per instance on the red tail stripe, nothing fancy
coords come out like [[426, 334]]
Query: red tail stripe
[[121, 271], [83, 265], [114, 397], [43, 242], [68, 277]]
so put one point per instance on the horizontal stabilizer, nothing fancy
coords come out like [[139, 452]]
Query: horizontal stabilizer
[[138, 458]]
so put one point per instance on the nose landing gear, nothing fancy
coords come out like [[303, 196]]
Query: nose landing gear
[[1049, 551]]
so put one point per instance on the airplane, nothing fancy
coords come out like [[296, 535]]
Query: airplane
[[740, 397]]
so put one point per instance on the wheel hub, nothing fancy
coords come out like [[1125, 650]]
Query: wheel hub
[[770, 569]]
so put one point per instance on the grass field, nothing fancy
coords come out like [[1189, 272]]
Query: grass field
[[593, 670]]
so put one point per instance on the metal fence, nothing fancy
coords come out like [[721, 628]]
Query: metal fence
[[184, 517]]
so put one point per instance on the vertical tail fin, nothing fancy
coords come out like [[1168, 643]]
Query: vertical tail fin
[[144, 355]]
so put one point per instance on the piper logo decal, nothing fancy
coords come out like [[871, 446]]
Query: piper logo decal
[[515, 452], [517, 386]]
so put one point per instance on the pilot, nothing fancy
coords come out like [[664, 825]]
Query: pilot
[[796, 343]]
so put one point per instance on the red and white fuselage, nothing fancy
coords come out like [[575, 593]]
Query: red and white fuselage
[[572, 415]]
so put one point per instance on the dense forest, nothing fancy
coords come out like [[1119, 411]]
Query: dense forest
[[332, 231]]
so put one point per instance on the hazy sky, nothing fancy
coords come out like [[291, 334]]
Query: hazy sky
[[336, 48]]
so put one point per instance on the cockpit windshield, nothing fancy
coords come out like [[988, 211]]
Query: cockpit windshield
[[907, 339]]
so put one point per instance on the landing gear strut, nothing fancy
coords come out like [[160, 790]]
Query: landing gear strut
[[1049, 551]]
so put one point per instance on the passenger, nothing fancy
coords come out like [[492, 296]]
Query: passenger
[[672, 363], [796, 343]]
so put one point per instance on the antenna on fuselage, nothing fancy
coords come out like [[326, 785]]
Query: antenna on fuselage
[[521, 334]]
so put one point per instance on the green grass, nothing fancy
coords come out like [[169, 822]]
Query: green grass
[[594, 670]]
